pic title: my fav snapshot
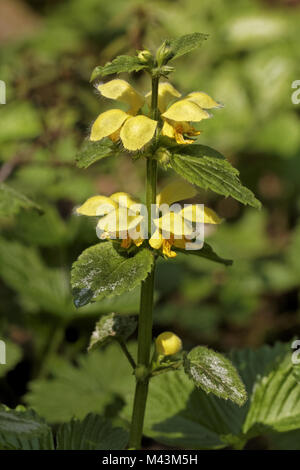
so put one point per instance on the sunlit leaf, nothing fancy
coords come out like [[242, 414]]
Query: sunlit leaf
[[103, 271], [214, 373], [208, 169]]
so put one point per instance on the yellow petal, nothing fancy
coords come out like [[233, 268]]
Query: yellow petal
[[203, 100], [195, 213], [166, 249], [122, 91], [210, 217], [176, 191], [137, 132], [156, 240], [107, 123], [177, 129], [123, 199], [173, 224], [138, 241], [168, 130], [185, 110], [97, 205], [166, 93]]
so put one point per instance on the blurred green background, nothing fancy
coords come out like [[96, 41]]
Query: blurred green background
[[48, 50]]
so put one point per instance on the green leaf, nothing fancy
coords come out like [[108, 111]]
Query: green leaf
[[275, 401], [91, 152], [214, 373], [173, 414], [182, 415], [102, 271], [13, 355], [112, 326], [22, 429], [93, 433], [208, 169], [208, 253], [39, 287], [122, 63], [11, 201], [48, 229], [94, 384], [186, 44]]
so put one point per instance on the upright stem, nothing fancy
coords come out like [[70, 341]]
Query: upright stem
[[146, 307]]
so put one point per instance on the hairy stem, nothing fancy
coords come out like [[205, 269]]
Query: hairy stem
[[146, 307]]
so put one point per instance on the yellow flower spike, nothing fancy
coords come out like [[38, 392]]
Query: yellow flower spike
[[121, 90], [203, 100], [166, 93], [185, 110], [176, 191], [97, 206], [107, 123], [167, 344], [137, 132], [191, 213]]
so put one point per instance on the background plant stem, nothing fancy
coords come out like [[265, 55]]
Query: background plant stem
[[146, 306]]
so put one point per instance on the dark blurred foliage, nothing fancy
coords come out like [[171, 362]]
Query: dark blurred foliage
[[48, 50]]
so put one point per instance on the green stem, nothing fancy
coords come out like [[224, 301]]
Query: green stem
[[146, 307], [127, 353]]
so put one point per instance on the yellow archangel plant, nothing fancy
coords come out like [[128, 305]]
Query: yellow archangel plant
[[157, 126]]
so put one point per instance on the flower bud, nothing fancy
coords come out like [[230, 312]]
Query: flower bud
[[166, 69], [164, 53], [162, 155], [167, 344], [145, 56]]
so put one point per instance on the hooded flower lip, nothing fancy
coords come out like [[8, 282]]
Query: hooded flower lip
[[176, 228], [135, 131]]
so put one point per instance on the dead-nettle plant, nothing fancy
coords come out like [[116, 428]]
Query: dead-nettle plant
[[158, 128]]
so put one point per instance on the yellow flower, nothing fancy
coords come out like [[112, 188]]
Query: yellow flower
[[119, 215], [176, 228], [122, 217], [135, 131], [178, 116], [167, 344]]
